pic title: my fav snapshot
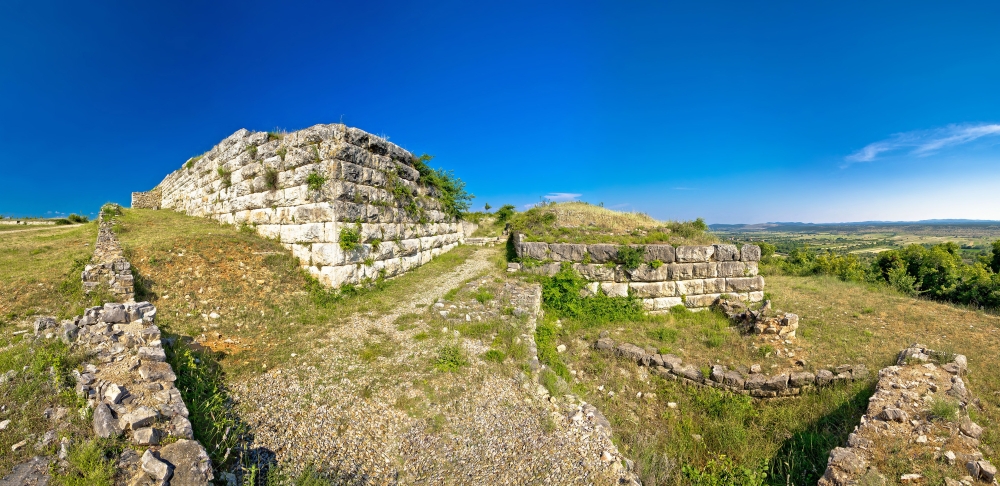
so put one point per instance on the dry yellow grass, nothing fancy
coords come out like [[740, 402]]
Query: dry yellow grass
[[577, 214], [578, 222]]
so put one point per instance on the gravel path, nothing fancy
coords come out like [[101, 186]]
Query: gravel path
[[369, 408]]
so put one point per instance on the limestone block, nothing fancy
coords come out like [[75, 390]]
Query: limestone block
[[338, 275], [690, 287], [348, 212], [679, 271], [302, 251], [612, 289], [595, 272], [260, 216], [661, 303], [409, 262], [755, 296], [750, 253], [726, 253], [358, 254], [302, 233], [410, 247], [663, 253], [703, 270], [731, 269], [269, 230], [314, 213], [536, 250], [752, 269], [651, 290], [602, 253], [694, 254], [704, 300], [744, 284], [563, 252], [715, 285], [324, 254]]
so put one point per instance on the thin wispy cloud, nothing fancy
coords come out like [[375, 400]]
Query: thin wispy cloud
[[923, 142], [562, 196]]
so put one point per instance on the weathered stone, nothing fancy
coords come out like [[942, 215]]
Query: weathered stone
[[971, 429], [595, 272], [69, 332], [630, 351], [801, 378], [114, 313], [146, 436], [646, 273], [604, 344], [731, 269], [564, 252], [191, 464], [733, 379], [33, 472], [755, 381], [180, 426], [726, 253], [662, 253], [114, 393], [693, 254], [157, 372], [777, 383], [824, 377], [155, 467], [671, 361], [744, 284], [892, 414], [679, 271], [43, 323], [689, 372], [750, 253], [718, 373], [603, 253], [140, 417], [536, 250], [648, 290], [105, 424], [152, 353]]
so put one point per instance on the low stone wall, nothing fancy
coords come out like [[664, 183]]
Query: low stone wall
[[146, 200], [899, 418], [693, 276], [747, 380], [108, 266]]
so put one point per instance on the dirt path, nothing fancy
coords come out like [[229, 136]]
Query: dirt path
[[369, 407], [68, 226]]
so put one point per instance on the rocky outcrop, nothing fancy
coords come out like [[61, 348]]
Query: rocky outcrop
[[692, 276], [349, 205], [920, 408], [108, 267], [147, 200]]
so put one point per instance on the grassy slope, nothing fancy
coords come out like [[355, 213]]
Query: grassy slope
[[577, 222], [40, 275], [789, 439]]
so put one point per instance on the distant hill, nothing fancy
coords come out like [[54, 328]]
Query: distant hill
[[797, 226]]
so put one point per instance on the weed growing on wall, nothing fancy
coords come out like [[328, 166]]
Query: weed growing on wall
[[190, 162], [315, 181], [282, 152], [275, 135], [252, 150], [561, 294], [271, 178], [350, 238], [450, 189], [225, 175], [631, 256]]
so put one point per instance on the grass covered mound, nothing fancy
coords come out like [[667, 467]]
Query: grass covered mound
[[580, 222]]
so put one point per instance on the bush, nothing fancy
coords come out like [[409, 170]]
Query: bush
[[722, 471], [76, 218], [631, 256], [943, 409], [561, 295], [271, 178], [350, 238], [226, 176], [315, 181], [450, 358], [504, 214], [450, 189], [63, 221], [483, 296], [495, 356]]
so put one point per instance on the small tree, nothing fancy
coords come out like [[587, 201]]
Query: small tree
[[487, 207]]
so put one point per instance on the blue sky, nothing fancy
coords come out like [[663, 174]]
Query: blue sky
[[731, 111]]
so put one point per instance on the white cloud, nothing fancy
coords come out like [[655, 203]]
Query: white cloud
[[923, 142], [562, 196]]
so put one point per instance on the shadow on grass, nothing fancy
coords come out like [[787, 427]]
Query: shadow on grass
[[802, 458]]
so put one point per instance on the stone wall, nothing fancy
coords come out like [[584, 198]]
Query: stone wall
[[900, 418], [359, 182], [146, 200], [693, 276], [108, 266]]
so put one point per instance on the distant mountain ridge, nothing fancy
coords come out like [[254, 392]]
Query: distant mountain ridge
[[800, 226]]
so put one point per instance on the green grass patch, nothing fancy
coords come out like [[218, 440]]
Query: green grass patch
[[450, 358]]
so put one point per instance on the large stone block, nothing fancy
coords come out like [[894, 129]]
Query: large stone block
[[694, 254], [679, 271], [649, 290], [731, 269], [564, 252], [603, 253], [663, 253], [661, 303], [646, 273], [690, 287], [744, 284], [536, 250], [750, 253], [726, 253], [324, 254], [595, 272], [302, 233], [705, 270], [704, 300], [715, 285], [614, 289]]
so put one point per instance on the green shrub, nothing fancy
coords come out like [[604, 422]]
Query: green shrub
[[450, 358], [350, 238], [722, 471], [663, 334], [561, 295], [483, 296], [504, 214], [552, 382], [315, 181], [271, 178], [450, 190], [91, 463], [275, 135], [252, 150], [76, 218], [654, 264], [495, 356], [190, 162], [943, 409], [631, 256], [226, 176], [110, 210], [63, 221], [282, 152], [315, 150]]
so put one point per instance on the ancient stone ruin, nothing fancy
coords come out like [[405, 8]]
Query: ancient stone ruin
[[692, 276], [348, 204], [108, 267], [901, 416]]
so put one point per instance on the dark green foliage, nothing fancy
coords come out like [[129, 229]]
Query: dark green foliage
[[252, 150], [63, 221], [561, 294], [722, 471], [494, 355], [225, 175], [275, 136], [282, 152], [271, 178], [505, 212], [938, 272], [350, 238], [91, 463], [315, 181], [450, 190], [487, 207], [450, 358], [631, 256], [76, 218]]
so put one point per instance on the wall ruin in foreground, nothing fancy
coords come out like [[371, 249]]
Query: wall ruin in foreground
[[308, 188]]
